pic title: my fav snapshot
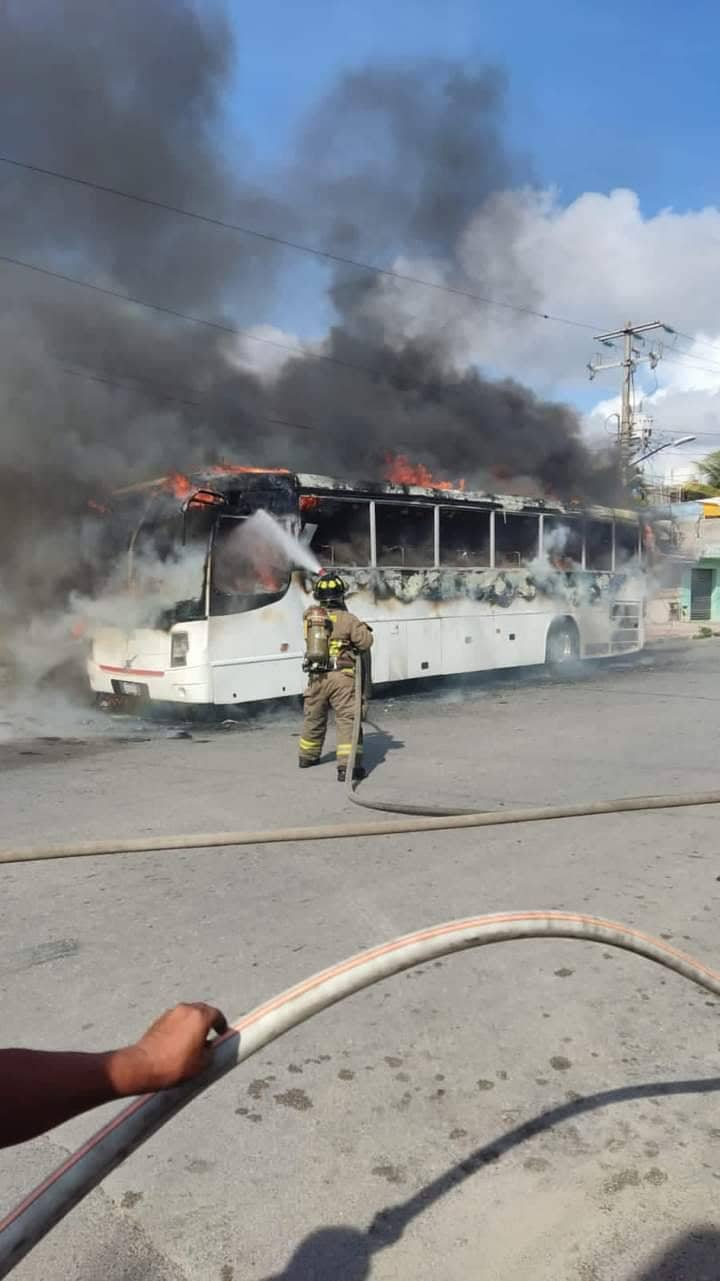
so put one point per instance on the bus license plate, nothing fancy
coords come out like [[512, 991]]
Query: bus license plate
[[132, 687]]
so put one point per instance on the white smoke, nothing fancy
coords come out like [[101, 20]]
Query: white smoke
[[48, 640], [142, 588], [264, 546]]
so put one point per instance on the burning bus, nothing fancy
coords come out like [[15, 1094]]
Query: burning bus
[[451, 581]]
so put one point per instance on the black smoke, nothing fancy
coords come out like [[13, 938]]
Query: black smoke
[[96, 393]]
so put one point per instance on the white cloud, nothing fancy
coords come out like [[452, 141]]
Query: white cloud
[[262, 351], [598, 260]]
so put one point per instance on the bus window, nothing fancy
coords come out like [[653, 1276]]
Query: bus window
[[563, 541], [598, 544], [155, 542], [404, 535], [166, 567], [464, 537], [517, 537], [342, 529], [247, 569], [626, 543]]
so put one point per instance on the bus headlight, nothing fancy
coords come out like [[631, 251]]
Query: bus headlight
[[179, 646]]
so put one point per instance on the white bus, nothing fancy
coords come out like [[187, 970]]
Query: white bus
[[451, 581]]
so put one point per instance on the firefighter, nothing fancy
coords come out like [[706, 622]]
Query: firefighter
[[334, 639]]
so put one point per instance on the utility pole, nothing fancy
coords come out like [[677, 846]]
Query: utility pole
[[631, 358]]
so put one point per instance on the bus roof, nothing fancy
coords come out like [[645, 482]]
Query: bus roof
[[505, 502], [179, 487]]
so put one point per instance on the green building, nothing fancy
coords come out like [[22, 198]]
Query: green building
[[699, 587]]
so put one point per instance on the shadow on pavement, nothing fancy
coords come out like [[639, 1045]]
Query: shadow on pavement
[[375, 748], [377, 745], [343, 1253], [330, 1254], [693, 1257]]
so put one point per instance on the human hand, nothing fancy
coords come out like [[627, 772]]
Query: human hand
[[174, 1049]]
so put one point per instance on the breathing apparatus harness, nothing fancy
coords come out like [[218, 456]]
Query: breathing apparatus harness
[[328, 590], [318, 630]]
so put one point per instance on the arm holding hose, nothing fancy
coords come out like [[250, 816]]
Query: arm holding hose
[[41, 1089], [361, 635], [24, 1226]]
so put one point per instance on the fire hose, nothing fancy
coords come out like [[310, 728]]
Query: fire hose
[[114, 1142], [82, 1171], [426, 819]]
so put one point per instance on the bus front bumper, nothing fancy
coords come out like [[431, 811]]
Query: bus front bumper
[[176, 685]]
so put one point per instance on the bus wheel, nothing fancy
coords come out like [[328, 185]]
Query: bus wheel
[[563, 644]]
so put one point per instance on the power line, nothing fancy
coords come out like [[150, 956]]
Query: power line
[[294, 349], [689, 362], [105, 290], [217, 325], [182, 315], [129, 382], [138, 384], [293, 244], [713, 434], [698, 342], [688, 354]]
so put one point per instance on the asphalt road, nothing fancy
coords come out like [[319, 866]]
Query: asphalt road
[[542, 1110]]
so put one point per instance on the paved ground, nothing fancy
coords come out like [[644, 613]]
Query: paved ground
[[544, 1111]]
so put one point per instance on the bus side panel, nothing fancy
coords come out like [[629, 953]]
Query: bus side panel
[[250, 682], [389, 654], [407, 648], [475, 641], [424, 647], [501, 638], [258, 654]]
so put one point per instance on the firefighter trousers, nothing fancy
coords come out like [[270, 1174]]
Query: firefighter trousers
[[331, 689]]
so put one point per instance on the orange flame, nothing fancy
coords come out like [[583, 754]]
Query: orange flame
[[206, 498], [501, 473], [178, 484], [400, 471], [232, 469]]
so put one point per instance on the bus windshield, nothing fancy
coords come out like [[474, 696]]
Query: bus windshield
[[167, 565], [248, 570], [186, 551]]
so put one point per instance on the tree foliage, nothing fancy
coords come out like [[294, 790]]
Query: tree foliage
[[710, 468]]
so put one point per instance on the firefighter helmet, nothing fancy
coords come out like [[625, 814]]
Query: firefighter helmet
[[328, 589]]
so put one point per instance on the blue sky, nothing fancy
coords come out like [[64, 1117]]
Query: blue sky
[[600, 94]]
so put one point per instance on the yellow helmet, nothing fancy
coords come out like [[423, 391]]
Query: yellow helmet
[[328, 588]]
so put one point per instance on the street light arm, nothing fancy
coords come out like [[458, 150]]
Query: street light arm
[[670, 444]]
